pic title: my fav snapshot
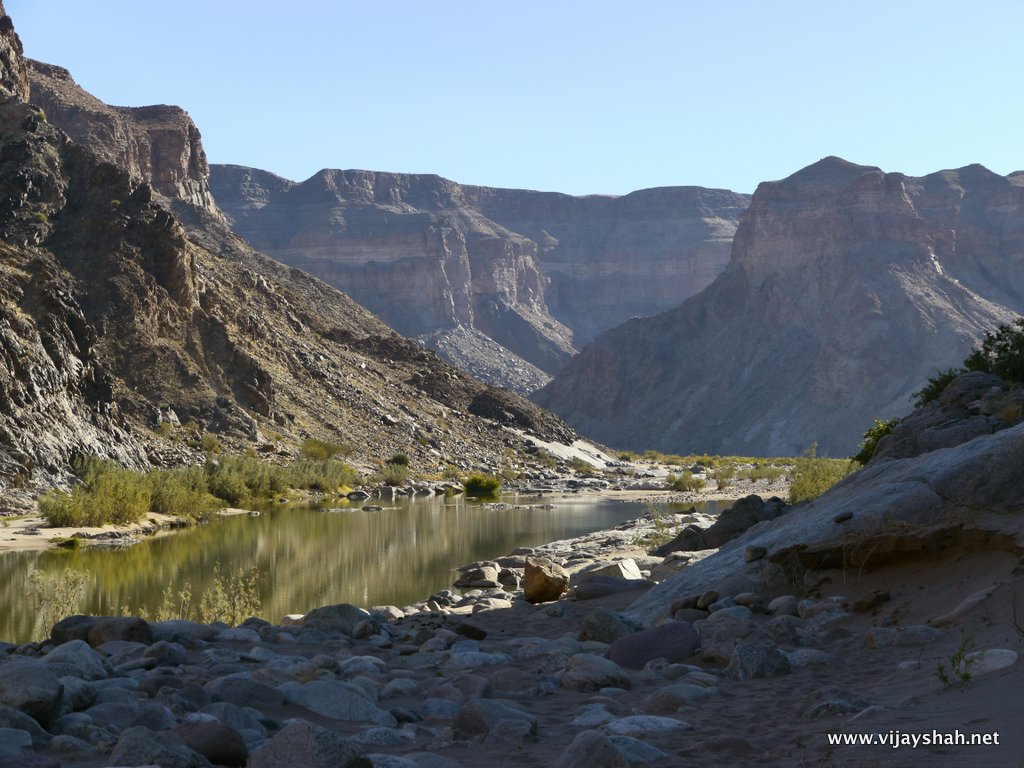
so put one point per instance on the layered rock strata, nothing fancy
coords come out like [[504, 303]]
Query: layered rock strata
[[539, 274], [848, 287]]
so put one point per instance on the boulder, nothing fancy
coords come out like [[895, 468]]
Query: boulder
[[605, 626], [673, 640], [304, 744], [141, 746], [77, 658], [32, 687], [587, 672], [479, 717], [543, 580], [218, 743], [593, 749], [120, 628], [342, 617]]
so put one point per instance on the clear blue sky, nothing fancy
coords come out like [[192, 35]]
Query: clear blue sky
[[578, 96]]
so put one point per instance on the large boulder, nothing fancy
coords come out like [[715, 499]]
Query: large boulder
[[141, 746], [31, 686], [676, 641], [543, 580], [742, 515], [304, 744], [343, 617]]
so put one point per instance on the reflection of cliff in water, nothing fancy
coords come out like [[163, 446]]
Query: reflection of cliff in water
[[307, 557]]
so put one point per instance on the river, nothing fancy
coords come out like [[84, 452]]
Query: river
[[306, 556]]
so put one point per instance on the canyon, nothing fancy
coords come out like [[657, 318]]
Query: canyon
[[507, 283]]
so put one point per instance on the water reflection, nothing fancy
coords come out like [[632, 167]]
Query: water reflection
[[307, 557]]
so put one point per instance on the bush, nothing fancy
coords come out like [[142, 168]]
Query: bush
[[933, 389], [581, 466], [482, 486], [876, 432], [321, 450], [684, 482], [108, 494], [182, 492], [1001, 353], [393, 474], [812, 476]]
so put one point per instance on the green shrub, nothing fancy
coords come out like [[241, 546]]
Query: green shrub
[[933, 389], [326, 476], [876, 432], [393, 474], [182, 492], [582, 466], [1001, 353], [231, 599], [41, 217], [108, 494], [482, 486], [209, 443], [684, 482], [321, 450], [812, 476]]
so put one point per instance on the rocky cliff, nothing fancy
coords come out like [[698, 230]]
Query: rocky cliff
[[847, 288], [159, 145], [115, 314], [506, 282]]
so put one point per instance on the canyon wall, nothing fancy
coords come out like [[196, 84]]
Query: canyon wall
[[848, 287]]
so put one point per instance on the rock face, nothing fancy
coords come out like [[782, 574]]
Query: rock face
[[508, 283], [13, 73], [159, 145], [114, 309], [847, 288]]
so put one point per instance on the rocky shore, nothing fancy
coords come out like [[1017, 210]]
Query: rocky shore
[[886, 609]]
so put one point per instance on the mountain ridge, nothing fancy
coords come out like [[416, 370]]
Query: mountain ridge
[[846, 289]]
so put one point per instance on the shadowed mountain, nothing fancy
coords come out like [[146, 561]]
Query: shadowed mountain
[[116, 310], [847, 288]]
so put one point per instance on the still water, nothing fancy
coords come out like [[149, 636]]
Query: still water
[[306, 556]]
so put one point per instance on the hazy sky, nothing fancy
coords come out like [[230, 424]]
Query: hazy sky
[[568, 95]]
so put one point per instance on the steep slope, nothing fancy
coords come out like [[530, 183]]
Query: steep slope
[[846, 289], [114, 312], [464, 267]]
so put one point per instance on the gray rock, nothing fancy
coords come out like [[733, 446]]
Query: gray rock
[[309, 746], [18, 720], [605, 626], [32, 687], [832, 700], [785, 605], [244, 691], [639, 725], [385, 737], [165, 653], [337, 700], [593, 749], [482, 576], [991, 660], [482, 716], [141, 746], [239, 718], [342, 617], [750, 660], [14, 741], [78, 659], [673, 697], [675, 641], [619, 569], [72, 628], [120, 628], [587, 672]]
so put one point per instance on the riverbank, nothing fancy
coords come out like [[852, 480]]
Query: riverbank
[[747, 679], [28, 531]]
